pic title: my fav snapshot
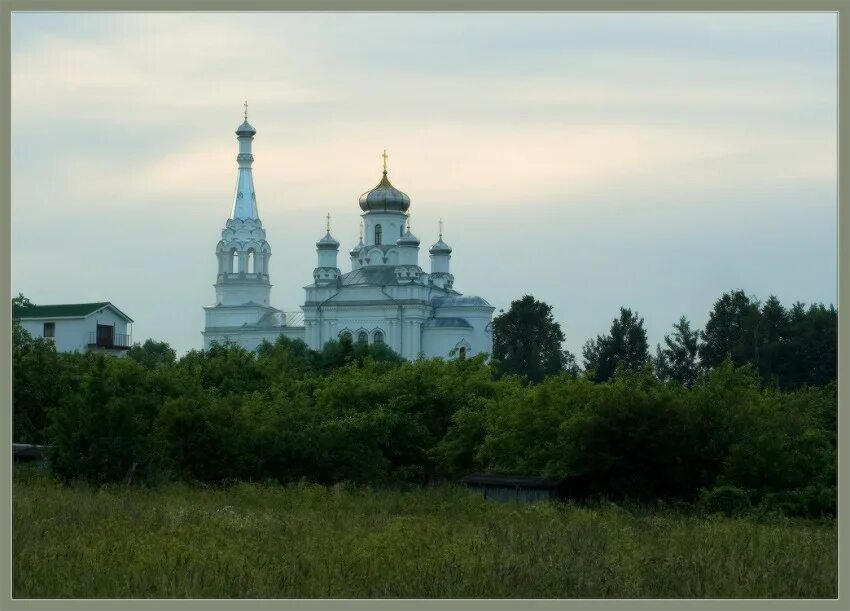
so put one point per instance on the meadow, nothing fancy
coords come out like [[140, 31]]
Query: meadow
[[307, 540]]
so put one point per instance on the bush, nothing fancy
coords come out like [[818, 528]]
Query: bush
[[728, 500], [360, 414]]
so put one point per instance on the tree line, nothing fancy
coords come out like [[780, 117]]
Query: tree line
[[789, 348], [360, 413]]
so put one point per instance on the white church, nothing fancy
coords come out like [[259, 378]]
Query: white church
[[386, 297]]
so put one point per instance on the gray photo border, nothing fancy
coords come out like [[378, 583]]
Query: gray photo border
[[843, 234]]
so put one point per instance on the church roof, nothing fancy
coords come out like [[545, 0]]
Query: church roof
[[281, 319], [377, 275], [384, 197], [459, 300]]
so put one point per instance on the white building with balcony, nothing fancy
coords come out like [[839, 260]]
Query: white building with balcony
[[78, 327], [386, 297]]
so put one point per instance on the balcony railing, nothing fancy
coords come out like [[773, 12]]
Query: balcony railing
[[117, 341]]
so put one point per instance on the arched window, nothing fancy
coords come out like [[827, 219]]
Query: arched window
[[378, 338], [378, 235], [462, 353], [235, 259], [346, 336], [251, 261], [363, 337]]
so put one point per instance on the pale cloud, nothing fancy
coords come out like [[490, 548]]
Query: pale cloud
[[596, 136], [484, 165]]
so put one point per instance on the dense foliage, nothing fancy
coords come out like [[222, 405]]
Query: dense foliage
[[625, 346], [529, 343], [674, 428]]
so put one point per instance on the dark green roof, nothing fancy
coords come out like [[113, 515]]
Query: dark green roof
[[64, 310]]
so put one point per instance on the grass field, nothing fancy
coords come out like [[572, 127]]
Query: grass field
[[311, 541]]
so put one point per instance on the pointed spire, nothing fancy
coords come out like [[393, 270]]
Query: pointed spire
[[245, 200]]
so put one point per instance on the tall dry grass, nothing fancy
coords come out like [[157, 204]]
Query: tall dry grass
[[310, 541]]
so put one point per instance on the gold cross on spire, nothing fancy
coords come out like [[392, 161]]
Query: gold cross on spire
[[361, 231], [408, 223], [441, 229], [384, 155], [328, 218], [246, 110]]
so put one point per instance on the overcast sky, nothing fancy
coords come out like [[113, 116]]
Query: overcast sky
[[653, 161]]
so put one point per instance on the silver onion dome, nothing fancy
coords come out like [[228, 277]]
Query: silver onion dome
[[384, 198], [408, 239], [246, 129], [327, 243], [440, 248]]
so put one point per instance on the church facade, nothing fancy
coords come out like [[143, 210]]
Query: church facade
[[386, 297]]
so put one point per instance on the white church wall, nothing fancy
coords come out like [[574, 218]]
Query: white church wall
[[480, 338], [235, 316], [442, 342], [240, 290]]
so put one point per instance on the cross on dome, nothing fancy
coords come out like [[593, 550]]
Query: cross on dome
[[246, 110], [384, 155]]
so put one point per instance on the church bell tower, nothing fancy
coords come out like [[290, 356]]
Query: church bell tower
[[242, 311], [243, 253]]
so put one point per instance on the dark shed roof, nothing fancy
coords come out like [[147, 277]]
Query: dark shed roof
[[27, 452], [509, 481]]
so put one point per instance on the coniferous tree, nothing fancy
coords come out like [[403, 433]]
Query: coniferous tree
[[678, 361], [774, 342], [813, 345], [626, 345], [731, 331]]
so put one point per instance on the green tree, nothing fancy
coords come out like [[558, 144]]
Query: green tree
[[153, 353], [528, 342], [625, 346], [21, 301], [773, 344], [813, 346], [228, 368], [36, 380], [786, 457], [100, 432], [678, 361], [631, 441], [731, 331]]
